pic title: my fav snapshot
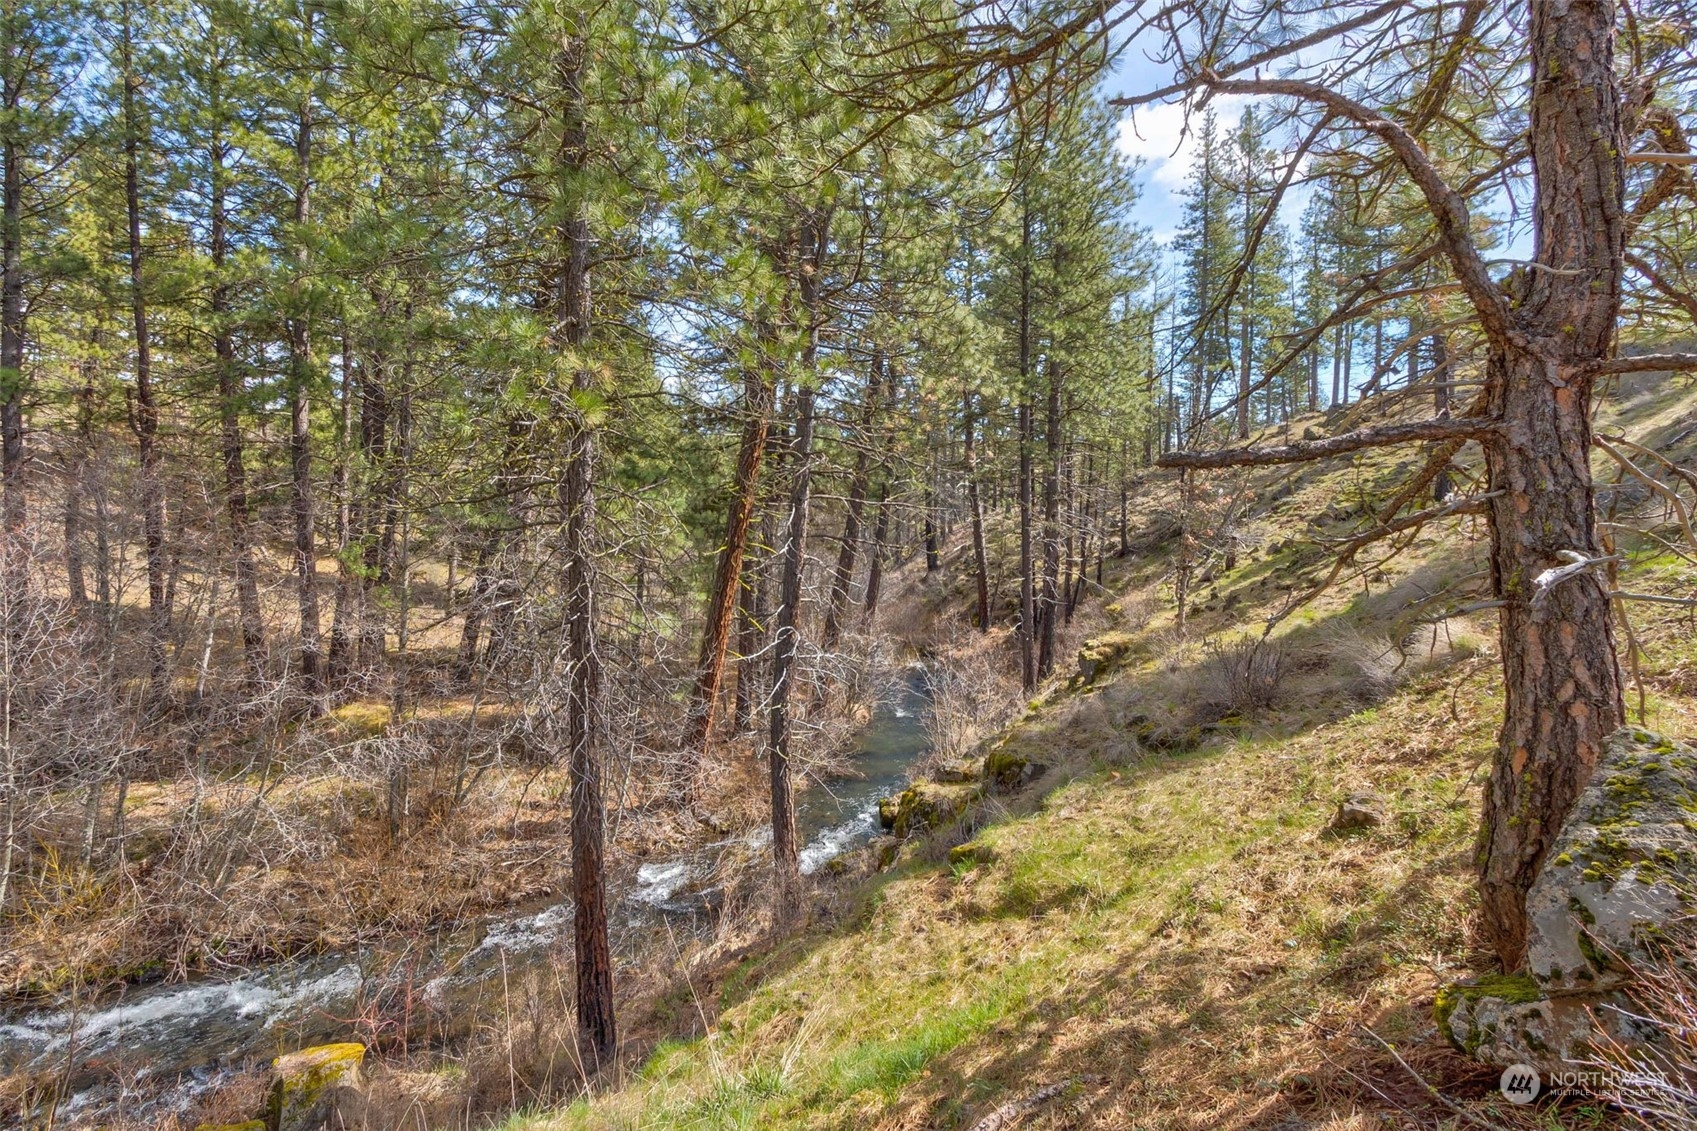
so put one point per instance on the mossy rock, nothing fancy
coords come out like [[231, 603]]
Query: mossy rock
[[318, 1089], [1623, 867], [930, 805], [1508, 1019], [960, 773], [887, 807], [971, 855], [1102, 654], [1007, 769]]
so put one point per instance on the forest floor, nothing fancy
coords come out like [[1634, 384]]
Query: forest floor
[[1164, 932]]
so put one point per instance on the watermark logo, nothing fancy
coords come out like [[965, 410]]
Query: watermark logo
[[1520, 1084]]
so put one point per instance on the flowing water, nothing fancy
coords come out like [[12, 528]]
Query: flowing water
[[197, 1034]]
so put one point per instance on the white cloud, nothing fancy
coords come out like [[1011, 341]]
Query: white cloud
[[1157, 135]]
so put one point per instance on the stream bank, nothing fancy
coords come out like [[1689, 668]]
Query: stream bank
[[114, 1053]]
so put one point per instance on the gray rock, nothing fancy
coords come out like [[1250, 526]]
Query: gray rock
[[318, 1089], [1509, 1020], [1623, 868], [1357, 811]]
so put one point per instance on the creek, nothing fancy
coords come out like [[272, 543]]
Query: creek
[[161, 1045]]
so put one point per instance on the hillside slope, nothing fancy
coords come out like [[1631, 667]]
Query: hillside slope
[[1166, 931]]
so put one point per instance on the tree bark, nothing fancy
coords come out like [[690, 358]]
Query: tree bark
[[300, 418], [236, 504], [880, 544], [12, 340], [144, 418], [1562, 681], [784, 847], [1049, 600], [980, 555], [597, 1037], [849, 547], [1027, 579], [727, 578]]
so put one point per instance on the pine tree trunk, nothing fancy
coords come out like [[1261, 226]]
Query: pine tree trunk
[[597, 1038], [1027, 578], [1562, 683], [300, 424], [880, 543], [980, 555], [145, 413], [374, 411], [1049, 602], [236, 504], [344, 620], [849, 548], [12, 353], [727, 579], [785, 850]]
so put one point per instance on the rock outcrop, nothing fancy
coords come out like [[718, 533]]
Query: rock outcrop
[[318, 1089], [1623, 869], [925, 805]]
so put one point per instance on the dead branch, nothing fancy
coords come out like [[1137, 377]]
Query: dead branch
[[1384, 435]]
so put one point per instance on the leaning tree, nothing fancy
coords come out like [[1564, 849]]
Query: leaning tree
[[1565, 113]]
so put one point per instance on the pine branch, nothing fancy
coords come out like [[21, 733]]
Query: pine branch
[[1448, 207]]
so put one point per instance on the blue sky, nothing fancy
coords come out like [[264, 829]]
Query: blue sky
[[1156, 136]]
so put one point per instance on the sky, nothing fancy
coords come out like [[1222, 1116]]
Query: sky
[[1156, 136]]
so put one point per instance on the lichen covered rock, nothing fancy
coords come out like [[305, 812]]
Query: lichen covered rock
[[1622, 869], [318, 1089], [1624, 866]]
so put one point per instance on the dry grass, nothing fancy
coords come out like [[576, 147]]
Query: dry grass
[[1181, 938]]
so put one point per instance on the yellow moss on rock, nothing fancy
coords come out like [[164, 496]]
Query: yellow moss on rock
[[317, 1088]]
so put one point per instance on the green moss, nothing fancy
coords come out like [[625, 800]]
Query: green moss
[[303, 1078], [1516, 989], [1004, 768]]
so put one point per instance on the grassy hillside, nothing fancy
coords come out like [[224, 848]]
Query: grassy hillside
[[1164, 931]]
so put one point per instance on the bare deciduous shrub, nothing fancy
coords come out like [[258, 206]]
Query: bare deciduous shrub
[[973, 694], [1242, 675]]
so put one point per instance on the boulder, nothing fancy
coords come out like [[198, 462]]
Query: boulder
[[928, 805], [318, 1089], [1622, 869], [1101, 654], [885, 850], [1357, 811], [1509, 1019], [1007, 769], [958, 773]]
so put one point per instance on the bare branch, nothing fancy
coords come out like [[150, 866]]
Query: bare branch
[[1383, 435], [1643, 363], [1449, 207]]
